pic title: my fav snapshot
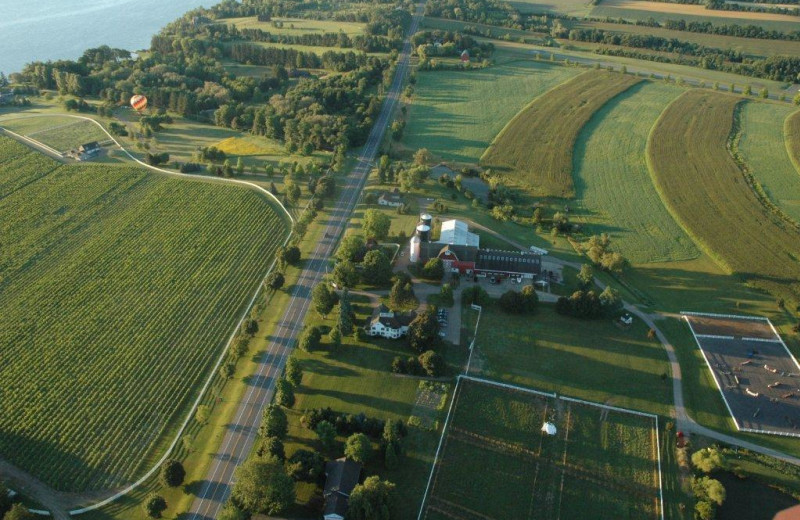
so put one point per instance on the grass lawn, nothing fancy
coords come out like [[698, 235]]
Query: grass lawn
[[17, 122], [592, 360], [792, 136], [535, 154], [182, 138], [612, 182], [456, 114], [354, 378], [298, 26], [763, 149]]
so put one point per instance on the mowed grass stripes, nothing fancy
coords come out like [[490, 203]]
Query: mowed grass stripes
[[613, 184], [534, 151], [707, 193], [119, 288]]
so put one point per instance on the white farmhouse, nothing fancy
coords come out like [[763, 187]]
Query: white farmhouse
[[389, 324]]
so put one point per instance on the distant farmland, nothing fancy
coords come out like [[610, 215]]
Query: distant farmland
[[791, 129], [707, 193], [119, 287], [613, 184], [456, 114], [534, 150]]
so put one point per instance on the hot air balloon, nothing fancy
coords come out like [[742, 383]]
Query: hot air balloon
[[139, 102]]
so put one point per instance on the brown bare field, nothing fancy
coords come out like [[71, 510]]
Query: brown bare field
[[534, 150], [707, 193], [695, 10], [742, 328]]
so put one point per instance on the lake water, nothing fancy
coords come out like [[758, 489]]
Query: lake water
[[62, 29]]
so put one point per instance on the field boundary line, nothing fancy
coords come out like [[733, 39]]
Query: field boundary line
[[489, 382], [222, 180], [658, 458], [713, 374], [782, 343], [439, 448], [33, 142], [732, 316], [771, 432], [223, 353]]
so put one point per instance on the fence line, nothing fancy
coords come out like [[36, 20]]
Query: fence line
[[713, 374], [438, 449], [732, 316]]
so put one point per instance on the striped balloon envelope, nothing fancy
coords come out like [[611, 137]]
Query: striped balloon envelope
[[139, 102]]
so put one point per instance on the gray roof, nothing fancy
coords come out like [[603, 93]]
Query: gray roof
[[509, 261], [341, 477], [464, 253]]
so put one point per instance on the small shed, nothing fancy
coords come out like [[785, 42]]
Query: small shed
[[549, 428], [464, 56]]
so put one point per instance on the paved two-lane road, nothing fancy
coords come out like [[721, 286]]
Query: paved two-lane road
[[242, 432]]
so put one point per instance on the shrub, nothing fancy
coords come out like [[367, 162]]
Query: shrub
[[172, 473], [154, 505]]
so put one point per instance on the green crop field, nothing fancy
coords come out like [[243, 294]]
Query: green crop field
[[456, 114], [496, 463], [763, 148], [534, 150], [60, 133], [556, 353], [579, 8], [792, 135], [120, 287], [705, 190], [612, 182]]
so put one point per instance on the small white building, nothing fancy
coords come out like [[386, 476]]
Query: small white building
[[389, 324], [393, 200], [549, 428]]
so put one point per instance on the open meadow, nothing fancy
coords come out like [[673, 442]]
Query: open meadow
[[456, 114], [293, 26], [61, 133], [791, 130], [705, 190], [763, 149], [613, 185], [121, 287], [534, 151], [596, 360], [497, 463], [579, 8]]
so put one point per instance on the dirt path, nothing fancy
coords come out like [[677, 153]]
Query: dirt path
[[28, 485]]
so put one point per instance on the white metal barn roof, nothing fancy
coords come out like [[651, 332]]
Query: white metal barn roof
[[457, 233]]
